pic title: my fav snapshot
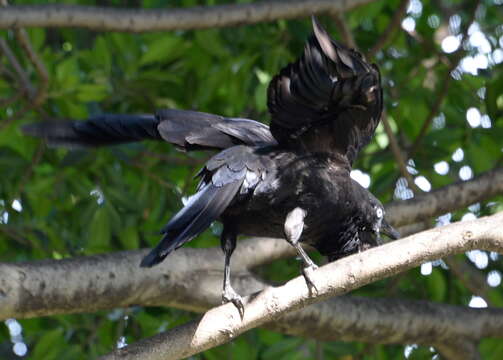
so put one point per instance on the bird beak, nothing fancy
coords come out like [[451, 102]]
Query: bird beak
[[389, 230]]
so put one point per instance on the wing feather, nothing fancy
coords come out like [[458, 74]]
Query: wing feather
[[225, 176], [330, 99], [193, 130]]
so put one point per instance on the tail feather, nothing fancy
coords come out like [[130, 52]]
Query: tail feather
[[201, 210], [96, 131]]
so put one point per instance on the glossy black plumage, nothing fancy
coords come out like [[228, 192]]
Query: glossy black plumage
[[329, 100], [292, 180]]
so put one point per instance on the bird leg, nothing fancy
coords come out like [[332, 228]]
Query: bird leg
[[294, 224], [228, 244]]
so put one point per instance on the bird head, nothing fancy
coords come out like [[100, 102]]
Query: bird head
[[375, 221]]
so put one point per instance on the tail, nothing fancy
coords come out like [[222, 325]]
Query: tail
[[201, 210], [97, 131]]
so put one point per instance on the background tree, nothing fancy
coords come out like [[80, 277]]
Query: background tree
[[443, 83]]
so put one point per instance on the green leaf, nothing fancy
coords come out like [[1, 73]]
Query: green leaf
[[92, 92], [99, 231], [491, 349], [161, 49], [67, 74], [48, 346], [129, 237], [437, 286]]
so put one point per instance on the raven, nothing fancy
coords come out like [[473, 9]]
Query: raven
[[291, 179]]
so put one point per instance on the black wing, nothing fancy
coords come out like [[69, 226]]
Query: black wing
[[192, 130], [328, 100], [188, 130], [234, 171]]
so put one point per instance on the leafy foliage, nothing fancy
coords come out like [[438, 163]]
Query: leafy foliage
[[88, 202]]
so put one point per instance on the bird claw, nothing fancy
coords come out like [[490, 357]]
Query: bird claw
[[306, 272], [230, 295]]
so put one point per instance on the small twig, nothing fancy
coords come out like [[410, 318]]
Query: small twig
[[18, 114], [397, 153], [395, 22], [472, 279], [444, 87], [346, 33], [24, 40], [8, 74], [5, 49], [7, 101], [29, 171], [152, 176], [186, 160], [439, 99], [14, 235]]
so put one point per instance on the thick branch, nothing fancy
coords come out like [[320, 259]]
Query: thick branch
[[388, 320], [223, 323], [87, 284], [140, 20], [445, 199]]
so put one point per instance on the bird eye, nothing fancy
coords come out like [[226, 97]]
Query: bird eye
[[379, 213]]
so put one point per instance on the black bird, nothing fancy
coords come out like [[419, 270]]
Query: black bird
[[292, 179]]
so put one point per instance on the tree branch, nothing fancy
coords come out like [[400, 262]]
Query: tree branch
[[435, 109], [141, 20], [345, 31], [395, 22], [397, 320], [24, 41], [222, 324], [473, 279], [22, 76], [397, 153], [448, 198], [444, 87]]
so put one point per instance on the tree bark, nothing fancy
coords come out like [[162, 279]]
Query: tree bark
[[445, 199], [141, 20]]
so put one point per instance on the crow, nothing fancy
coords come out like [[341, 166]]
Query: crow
[[291, 179]]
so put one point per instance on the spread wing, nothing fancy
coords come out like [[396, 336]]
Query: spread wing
[[329, 100], [187, 130], [233, 171]]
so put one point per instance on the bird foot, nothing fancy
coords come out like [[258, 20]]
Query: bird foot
[[230, 295], [307, 272]]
